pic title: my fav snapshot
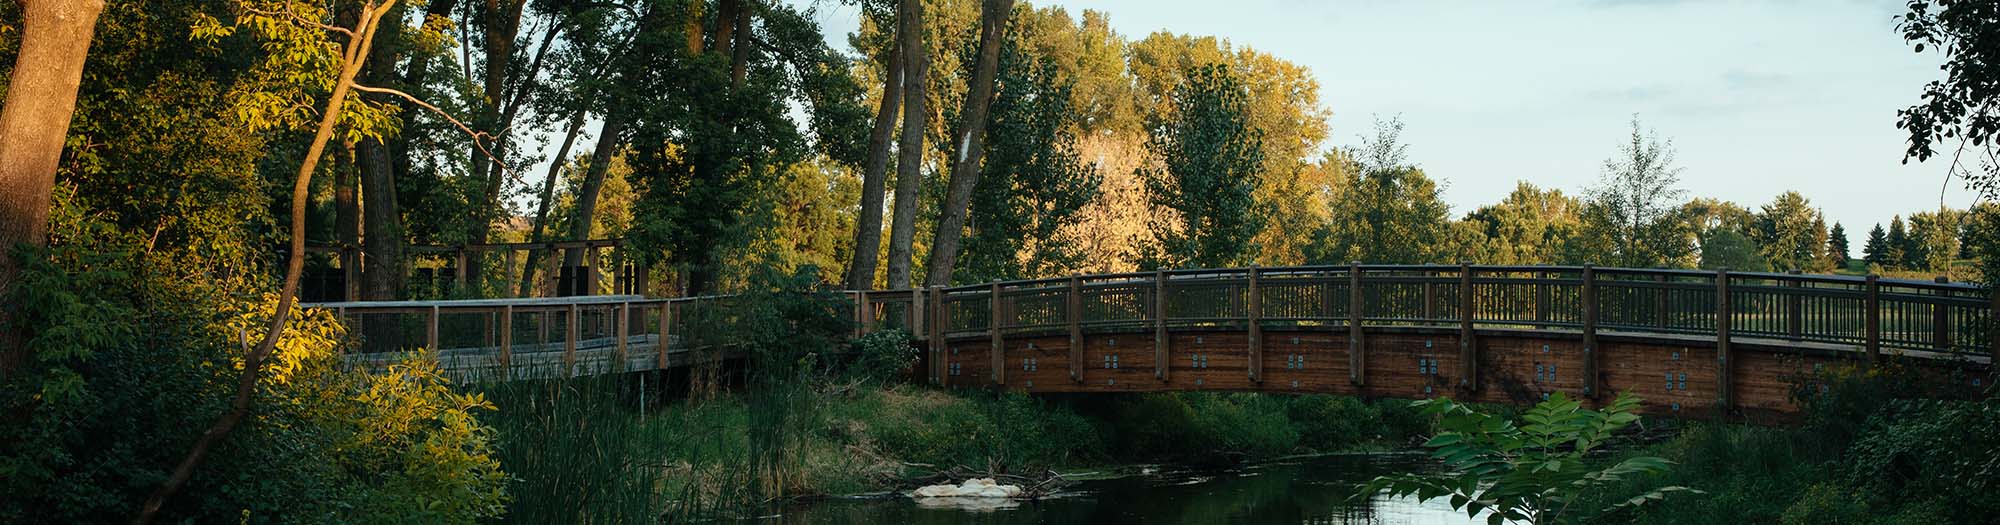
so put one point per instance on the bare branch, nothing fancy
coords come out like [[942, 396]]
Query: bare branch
[[478, 138]]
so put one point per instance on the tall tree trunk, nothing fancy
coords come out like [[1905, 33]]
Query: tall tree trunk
[[378, 160], [253, 360], [593, 180], [725, 26], [969, 144], [556, 166], [868, 227], [740, 51], [41, 98], [503, 22], [347, 220], [910, 151]]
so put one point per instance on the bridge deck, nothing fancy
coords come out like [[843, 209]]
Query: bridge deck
[[1689, 340]]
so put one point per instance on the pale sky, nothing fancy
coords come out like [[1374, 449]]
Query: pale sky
[[1757, 97]]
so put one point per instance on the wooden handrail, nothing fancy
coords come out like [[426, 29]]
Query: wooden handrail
[[1869, 314]]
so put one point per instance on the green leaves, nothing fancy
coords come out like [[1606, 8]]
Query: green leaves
[[1530, 472]]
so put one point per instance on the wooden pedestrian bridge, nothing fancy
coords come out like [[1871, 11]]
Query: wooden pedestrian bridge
[[1689, 342]]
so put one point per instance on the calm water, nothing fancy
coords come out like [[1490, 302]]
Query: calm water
[[1306, 490]]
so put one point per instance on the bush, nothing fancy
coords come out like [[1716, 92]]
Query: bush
[[130, 361]]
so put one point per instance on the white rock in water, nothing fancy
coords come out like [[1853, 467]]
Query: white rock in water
[[971, 488], [937, 491]]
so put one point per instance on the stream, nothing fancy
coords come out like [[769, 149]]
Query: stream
[[1300, 490]]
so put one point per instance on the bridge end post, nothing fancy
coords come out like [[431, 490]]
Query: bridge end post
[[506, 337], [1794, 306], [1590, 351], [666, 324], [934, 312]]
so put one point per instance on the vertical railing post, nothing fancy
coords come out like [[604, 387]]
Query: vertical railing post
[[350, 270], [588, 276], [935, 321], [1541, 299], [624, 317], [459, 270], [1660, 300], [1357, 342], [431, 330], [1431, 297], [860, 313], [618, 268], [552, 273], [1590, 350], [1795, 305], [1871, 312], [1254, 308], [916, 313], [1993, 336], [1468, 350], [1724, 317], [993, 316], [666, 332], [1160, 324], [1075, 319], [506, 342], [569, 340], [1941, 316]]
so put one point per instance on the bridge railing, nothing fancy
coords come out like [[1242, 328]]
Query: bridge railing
[[1862, 313], [1865, 313]]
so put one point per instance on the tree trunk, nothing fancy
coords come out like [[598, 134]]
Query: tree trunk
[[868, 227], [593, 180], [503, 23], [347, 222], [910, 151], [34, 124], [253, 360], [548, 196], [725, 26], [377, 160], [969, 146], [740, 51]]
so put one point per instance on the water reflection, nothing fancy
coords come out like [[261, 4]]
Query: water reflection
[[1306, 490]]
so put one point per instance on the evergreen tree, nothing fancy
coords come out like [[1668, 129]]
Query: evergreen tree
[[1898, 245], [1875, 251], [1836, 245], [1207, 180]]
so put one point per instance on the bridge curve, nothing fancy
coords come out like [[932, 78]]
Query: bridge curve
[[1691, 342]]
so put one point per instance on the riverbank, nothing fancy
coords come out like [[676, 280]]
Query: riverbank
[[585, 449]]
